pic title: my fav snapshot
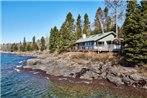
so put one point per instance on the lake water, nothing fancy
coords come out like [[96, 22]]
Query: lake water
[[15, 84]]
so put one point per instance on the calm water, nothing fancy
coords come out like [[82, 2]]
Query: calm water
[[15, 84]]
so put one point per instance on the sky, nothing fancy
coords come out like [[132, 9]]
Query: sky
[[36, 18]]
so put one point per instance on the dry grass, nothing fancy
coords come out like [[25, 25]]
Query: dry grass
[[92, 56], [142, 69]]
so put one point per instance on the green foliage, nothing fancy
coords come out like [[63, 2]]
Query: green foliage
[[144, 32], [63, 40], [14, 47], [34, 44], [66, 36], [78, 28], [102, 21], [29, 48], [134, 42], [53, 39], [86, 29], [20, 46], [42, 47]]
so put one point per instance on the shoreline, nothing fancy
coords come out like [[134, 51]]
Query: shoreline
[[102, 83], [63, 66]]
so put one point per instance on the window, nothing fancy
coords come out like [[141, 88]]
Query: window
[[108, 42], [100, 43]]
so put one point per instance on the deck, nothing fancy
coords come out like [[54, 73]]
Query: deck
[[112, 48]]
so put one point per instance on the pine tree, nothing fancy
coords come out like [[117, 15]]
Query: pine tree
[[43, 47], [86, 29], [144, 14], [53, 39], [59, 42], [34, 44], [67, 36], [21, 47], [29, 48], [24, 44], [133, 39], [12, 48], [78, 27], [144, 32], [15, 47]]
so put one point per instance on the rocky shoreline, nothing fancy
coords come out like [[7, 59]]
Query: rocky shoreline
[[89, 66]]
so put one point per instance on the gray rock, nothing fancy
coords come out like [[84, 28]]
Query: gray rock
[[116, 80], [136, 77], [127, 80], [89, 75], [33, 61]]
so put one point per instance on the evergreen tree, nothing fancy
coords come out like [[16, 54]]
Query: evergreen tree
[[133, 37], [78, 27], [66, 36], [86, 29], [29, 48], [34, 44], [144, 32], [12, 48], [15, 47], [21, 47], [43, 47], [24, 44], [144, 15], [59, 42], [53, 39]]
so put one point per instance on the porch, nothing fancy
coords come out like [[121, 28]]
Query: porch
[[99, 48]]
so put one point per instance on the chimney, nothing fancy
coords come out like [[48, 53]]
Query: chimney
[[84, 36]]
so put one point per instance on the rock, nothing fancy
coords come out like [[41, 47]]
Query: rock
[[115, 71], [33, 61], [136, 77], [103, 75], [142, 83], [89, 75], [115, 80], [83, 71], [127, 80]]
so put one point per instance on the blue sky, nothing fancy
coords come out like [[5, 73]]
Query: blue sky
[[36, 18]]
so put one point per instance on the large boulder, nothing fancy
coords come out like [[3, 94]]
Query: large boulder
[[115, 80], [33, 61], [136, 77]]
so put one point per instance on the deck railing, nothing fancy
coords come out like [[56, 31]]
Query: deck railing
[[100, 47]]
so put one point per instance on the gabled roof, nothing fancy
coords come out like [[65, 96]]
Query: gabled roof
[[95, 37]]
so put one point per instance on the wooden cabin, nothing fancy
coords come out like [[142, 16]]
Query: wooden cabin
[[99, 42]]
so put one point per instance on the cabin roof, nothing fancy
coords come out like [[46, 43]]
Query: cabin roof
[[95, 37]]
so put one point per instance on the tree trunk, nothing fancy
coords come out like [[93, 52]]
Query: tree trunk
[[116, 22], [102, 28]]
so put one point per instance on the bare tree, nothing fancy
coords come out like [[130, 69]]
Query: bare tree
[[99, 17], [118, 8]]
